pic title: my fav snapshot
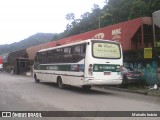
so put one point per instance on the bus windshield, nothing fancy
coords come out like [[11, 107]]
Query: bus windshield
[[106, 50]]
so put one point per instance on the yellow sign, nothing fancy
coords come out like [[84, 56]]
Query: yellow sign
[[147, 52]]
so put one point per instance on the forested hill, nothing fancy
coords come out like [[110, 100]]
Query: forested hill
[[33, 40]]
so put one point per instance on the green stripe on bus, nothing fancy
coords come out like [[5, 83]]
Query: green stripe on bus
[[106, 67], [80, 67], [71, 67]]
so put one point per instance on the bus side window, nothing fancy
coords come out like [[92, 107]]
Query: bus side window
[[67, 56], [40, 58], [36, 60], [53, 56], [58, 55], [67, 50], [78, 52], [48, 57], [43, 57], [84, 48], [77, 49]]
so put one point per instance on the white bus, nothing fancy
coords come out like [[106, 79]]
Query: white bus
[[85, 63]]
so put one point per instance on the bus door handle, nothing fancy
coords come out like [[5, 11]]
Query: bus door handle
[[107, 62]]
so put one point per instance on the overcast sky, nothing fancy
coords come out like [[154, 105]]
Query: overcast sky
[[20, 19]]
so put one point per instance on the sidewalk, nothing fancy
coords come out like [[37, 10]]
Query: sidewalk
[[134, 89]]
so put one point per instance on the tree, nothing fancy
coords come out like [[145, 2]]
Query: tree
[[154, 5], [95, 6], [117, 10], [139, 9], [85, 15], [70, 16]]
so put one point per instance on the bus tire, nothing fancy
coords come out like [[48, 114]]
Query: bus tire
[[60, 83], [86, 87], [35, 78]]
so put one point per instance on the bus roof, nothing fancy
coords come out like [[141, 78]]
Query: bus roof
[[75, 43]]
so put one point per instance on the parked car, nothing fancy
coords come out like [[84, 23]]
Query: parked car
[[131, 76]]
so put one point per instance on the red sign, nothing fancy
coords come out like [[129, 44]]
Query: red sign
[[122, 32]]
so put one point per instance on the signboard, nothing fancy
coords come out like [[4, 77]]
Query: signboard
[[147, 52], [106, 50], [157, 44]]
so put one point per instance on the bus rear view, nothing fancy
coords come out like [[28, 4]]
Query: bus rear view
[[103, 63], [84, 63]]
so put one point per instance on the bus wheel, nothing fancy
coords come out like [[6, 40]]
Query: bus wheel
[[60, 83], [86, 87], [35, 78]]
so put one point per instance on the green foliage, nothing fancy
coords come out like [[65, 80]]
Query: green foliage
[[139, 9], [70, 16]]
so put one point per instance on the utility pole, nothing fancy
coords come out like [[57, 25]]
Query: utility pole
[[99, 20]]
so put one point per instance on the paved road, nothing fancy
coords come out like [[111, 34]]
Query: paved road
[[19, 93]]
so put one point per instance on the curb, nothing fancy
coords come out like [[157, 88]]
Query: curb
[[140, 91]]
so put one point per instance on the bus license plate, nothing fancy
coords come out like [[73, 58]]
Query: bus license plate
[[107, 73]]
